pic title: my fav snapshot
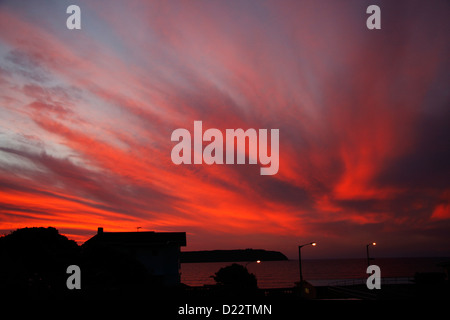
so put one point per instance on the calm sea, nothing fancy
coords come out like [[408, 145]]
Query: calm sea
[[283, 274]]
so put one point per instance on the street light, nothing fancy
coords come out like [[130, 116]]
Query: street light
[[367, 251], [300, 257]]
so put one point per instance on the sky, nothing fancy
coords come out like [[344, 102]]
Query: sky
[[86, 118]]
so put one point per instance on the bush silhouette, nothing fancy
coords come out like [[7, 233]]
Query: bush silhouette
[[236, 276], [34, 262]]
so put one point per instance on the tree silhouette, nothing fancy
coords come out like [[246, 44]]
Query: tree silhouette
[[34, 262], [235, 281], [236, 276]]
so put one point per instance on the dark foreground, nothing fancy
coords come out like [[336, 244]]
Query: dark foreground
[[305, 293]]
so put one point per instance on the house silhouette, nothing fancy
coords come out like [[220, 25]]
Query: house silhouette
[[158, 252]]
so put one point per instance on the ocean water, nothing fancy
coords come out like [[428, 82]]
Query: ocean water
[[283, 274]]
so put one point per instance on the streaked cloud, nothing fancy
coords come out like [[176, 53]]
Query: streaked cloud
[[86, 119]]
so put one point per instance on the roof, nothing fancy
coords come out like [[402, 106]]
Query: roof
[[139, 238]]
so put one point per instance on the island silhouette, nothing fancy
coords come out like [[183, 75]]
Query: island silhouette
[[237, 255]]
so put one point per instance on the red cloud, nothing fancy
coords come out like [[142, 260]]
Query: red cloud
[[362, 117]]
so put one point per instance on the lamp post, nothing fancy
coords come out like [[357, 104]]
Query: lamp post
[[367, 251], [300, 258]]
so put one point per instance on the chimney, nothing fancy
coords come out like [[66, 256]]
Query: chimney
[[99, 230]]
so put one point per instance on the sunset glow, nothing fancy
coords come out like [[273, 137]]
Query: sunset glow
[[86, 118]]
